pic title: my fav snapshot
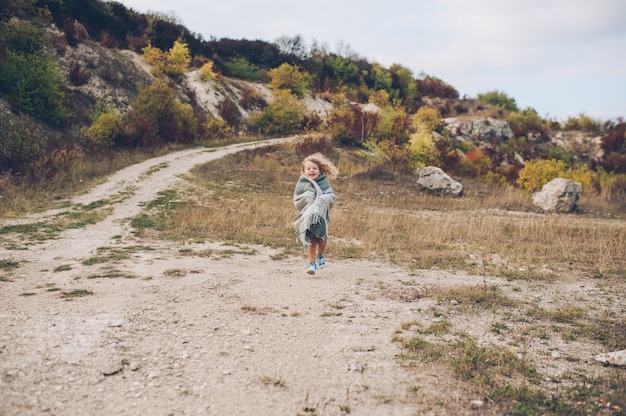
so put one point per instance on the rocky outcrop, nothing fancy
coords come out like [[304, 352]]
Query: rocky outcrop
[[559, 195], [484, 132], [436, 181]]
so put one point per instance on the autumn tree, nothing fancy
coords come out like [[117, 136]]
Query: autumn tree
[[289, 77]]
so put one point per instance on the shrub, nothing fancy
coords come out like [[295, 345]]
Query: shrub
[[251, 98], [79, 76], [284, 115], [229, 112], [613, 143], [22, 141], [28, 76], [423, 147], [525, 122], [158, 116], [343, 125], [105, 128], [499, 99], [434, 87], [392, 125], [241, 68], [289, 77], [207, 73], [536, 174], [174, 63], [217, 128], [582, 122], [22, 38]]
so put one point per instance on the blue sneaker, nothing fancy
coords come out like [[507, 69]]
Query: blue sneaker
[[312, 268], [321, 263]]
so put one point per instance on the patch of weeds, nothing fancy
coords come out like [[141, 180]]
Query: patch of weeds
[[112, 274], [281, 255], [76, 293], [440, 327], [108, 254], [38, 231], [62, 268], [417, 348], [93, 205], [336, 305], [567, 315], [6, 264], [145, 222], [498, 327], [15, 247], [272, 381], [257, 310], [175, 273], [155, 168], [26, 294], [327, 314], [480, 296], [167, 199]]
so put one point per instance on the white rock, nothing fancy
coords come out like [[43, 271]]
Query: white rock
[[615, 358], [476, 404]]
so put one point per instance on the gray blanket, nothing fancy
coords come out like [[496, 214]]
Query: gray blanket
[[314, 204]]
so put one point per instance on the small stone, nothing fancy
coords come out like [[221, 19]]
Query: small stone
[[476, 404], [356, 367], [133, 366], [556, 355], [112, 369], [454, 302]]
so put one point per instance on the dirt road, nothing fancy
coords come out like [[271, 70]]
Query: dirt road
[[158, 332]]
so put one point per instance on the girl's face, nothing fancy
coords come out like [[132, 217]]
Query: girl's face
[[311, 170]]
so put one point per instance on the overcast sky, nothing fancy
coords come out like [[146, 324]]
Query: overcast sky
[[560, 57]]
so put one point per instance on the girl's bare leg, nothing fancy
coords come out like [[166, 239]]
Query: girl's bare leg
[[312, 249], [321, 246]]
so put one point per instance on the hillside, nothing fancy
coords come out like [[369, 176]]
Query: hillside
[[95, 80]]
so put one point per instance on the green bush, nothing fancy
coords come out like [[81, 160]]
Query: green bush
[[28, 76], [22, 141], [242, 69], [499, 99], [284, 115]]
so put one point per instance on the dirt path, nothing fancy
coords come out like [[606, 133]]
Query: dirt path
[[233, 333]]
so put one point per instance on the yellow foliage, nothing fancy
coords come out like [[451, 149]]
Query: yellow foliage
[[380, 98], [104, 129], [423, 148], [289, 77], [426, 119], [206, 72], [536, 174], [152, 55], [173, 63], [178, 59]]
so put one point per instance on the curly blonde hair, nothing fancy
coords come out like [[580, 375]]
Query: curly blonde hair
[[327, 167]]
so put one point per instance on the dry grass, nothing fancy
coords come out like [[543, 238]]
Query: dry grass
[[246, 198]]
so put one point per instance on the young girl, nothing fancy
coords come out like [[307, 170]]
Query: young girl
[[314, 198]]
